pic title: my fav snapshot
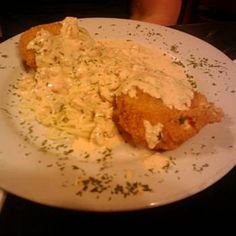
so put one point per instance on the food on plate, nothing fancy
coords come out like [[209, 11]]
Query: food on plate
[[28, 55], [147, 121], [96, 90]]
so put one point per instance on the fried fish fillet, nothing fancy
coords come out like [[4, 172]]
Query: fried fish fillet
[[28, 55], [130, 115]]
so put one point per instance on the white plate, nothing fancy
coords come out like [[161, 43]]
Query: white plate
[[53, 180]]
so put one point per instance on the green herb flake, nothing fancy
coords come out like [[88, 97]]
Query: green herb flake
[[131, 189], [27, 153], [68, 152], [179, 63], [174, 48], [74, 167], [182, 120]]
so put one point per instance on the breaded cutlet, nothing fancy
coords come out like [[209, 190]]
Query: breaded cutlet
[[130, 115], [28, 55]]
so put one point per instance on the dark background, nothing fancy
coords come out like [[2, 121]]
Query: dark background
[[22, 14]]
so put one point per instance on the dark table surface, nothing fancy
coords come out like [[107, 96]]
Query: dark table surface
[[218, 202]]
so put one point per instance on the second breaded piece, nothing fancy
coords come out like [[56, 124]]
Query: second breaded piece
[[28, 55], [178, 126]]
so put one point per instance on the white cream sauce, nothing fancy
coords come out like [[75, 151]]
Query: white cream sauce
[[77, 79], [153, 133]]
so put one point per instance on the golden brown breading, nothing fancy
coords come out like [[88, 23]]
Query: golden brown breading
[[179, 126], [28, 56]]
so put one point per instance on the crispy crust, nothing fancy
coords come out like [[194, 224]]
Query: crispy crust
[[179, 126], [28, 56]]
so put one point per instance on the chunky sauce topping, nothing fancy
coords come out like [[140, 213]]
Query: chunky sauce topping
[[153, 133], [77, 78]]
